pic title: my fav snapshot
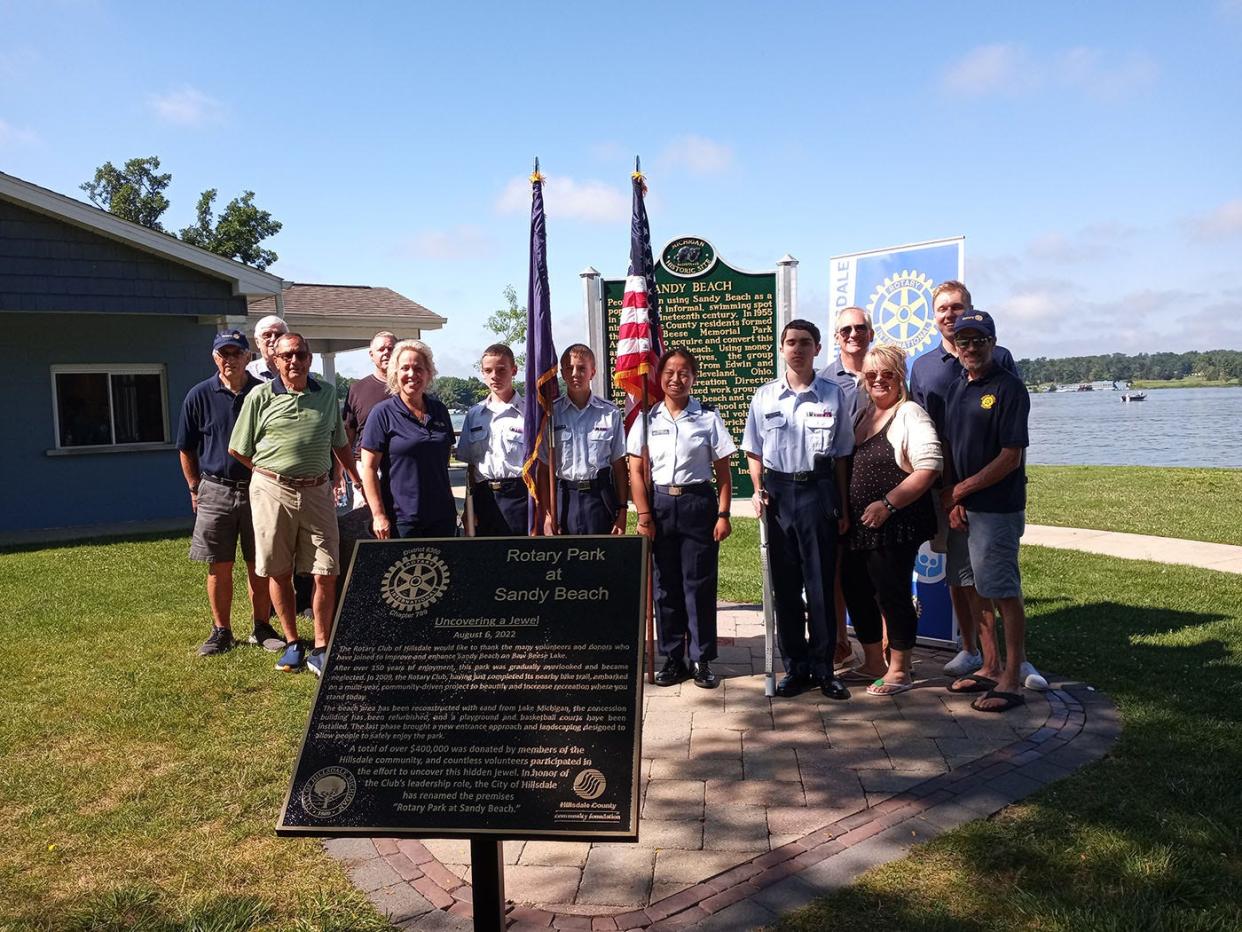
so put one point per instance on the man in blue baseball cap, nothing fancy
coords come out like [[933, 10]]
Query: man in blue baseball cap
[[986, 417], [220, 492]]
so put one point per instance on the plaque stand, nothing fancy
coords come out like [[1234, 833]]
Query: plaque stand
[[487, 864]]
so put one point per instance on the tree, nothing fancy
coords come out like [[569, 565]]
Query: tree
[[509, 325], [459, 393], [134, 193], [237, 232]]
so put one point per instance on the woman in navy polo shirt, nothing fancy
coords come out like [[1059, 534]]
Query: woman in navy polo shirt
[[405, 452]]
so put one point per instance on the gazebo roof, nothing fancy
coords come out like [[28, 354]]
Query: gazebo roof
[[336, 318]]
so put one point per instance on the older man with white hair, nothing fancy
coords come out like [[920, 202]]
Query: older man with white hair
[[266, 332]]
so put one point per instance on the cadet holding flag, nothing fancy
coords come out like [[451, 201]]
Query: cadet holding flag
[[798, 435]]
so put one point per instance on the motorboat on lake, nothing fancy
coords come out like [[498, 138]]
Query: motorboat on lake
[[1134, 396]]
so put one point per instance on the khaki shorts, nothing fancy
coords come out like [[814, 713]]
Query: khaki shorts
[[294, 529]]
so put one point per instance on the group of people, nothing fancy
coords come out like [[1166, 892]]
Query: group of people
[[853, 470]]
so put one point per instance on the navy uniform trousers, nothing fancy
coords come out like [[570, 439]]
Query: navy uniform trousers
[[802, 548], [500, 512], [687, 565], [587, 507]]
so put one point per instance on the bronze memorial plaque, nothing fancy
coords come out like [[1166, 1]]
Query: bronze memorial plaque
[[479, 687]]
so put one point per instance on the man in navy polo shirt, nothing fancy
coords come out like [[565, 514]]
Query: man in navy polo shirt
[[220, 492], [986, 415], [930, 378]]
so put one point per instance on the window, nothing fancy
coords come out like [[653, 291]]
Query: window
[[105, 405]]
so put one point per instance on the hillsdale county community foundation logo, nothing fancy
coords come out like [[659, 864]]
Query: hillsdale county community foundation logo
[[329, 792], [590, 784], [901, 311], [688, 256], [415, 582]]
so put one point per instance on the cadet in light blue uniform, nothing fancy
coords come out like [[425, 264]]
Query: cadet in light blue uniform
[[491, 443], [590, 452], [798, 435], [685, 518]]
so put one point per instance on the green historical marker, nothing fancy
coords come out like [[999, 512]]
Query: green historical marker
[[725, 316]]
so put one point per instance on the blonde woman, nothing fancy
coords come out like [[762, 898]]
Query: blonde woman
[[897, 457], [406, 444]]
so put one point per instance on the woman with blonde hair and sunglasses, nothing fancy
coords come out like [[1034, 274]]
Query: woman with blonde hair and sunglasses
[[897, 457]]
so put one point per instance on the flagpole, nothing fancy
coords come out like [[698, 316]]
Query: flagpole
[[550, 428]]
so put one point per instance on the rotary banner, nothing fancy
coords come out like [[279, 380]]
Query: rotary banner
[[894, 286]]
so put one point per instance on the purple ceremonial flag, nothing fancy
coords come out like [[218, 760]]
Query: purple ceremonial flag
[[541, 362]]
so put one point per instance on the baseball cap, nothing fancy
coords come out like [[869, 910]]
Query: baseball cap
[[975, 320], [230, 338]]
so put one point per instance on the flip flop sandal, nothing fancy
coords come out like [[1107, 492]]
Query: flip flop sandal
[[978, 684], [1011, 701], [881, 688]]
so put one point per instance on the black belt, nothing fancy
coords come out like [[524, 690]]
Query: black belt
[[586, 485], [810, 475], [231, 483], [675, 490], [501, 485]]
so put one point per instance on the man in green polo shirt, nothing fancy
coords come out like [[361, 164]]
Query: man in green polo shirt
[[287, 433]]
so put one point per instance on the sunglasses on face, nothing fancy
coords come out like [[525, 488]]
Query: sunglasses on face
[[231, 352], [883, 375], [968, 342], [860, 329], [300, 355]]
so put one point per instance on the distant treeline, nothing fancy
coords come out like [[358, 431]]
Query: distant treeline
[[1210, 364]]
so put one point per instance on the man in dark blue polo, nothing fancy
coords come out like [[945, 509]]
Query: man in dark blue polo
[[986, 416], [220, 492], [930, 378]]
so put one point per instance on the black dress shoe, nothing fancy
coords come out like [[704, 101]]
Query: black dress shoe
[[833, 688], [704, 677], [673, 673], [792, 684]]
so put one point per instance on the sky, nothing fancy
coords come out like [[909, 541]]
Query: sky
[[1090, 153]]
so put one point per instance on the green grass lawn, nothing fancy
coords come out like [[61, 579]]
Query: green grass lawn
[[139, 784], [1197, 504], [1150, 838]]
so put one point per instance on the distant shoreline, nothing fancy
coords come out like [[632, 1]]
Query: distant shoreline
[[1149, 384]]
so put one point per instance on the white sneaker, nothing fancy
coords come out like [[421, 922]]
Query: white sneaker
[[965, 662], [1032, 678]]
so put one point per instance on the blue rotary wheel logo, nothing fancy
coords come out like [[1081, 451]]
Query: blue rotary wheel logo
[[901, 311]]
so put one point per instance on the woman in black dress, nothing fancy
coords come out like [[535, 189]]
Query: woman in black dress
[[897, 456]]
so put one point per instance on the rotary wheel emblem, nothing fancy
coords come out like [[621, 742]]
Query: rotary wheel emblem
[[901, 311], [415, 582]]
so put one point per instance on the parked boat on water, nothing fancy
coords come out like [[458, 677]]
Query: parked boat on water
[[1134, 396]]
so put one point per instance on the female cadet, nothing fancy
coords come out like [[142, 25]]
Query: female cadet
[[684, 518]]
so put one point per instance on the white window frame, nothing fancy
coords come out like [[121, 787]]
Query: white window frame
[[110, 369]]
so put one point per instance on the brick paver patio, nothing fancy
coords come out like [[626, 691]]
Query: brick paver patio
[[753, 806]]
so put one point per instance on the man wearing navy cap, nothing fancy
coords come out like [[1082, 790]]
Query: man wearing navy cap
[[220, 492], [931, 376], [986, 436]]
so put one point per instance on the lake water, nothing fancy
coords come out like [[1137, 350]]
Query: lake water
[[1173, 427]]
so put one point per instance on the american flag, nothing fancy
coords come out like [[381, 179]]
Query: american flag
[[639, 342]]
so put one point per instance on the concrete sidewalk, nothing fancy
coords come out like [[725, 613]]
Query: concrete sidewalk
[[1225, 558]]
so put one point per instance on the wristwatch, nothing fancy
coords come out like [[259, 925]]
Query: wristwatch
[[723, 514]]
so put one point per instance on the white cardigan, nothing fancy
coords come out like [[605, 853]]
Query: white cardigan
[[914, 439]]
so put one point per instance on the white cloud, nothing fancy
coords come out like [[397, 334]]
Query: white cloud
[[1010, 68], [459, 243], [1091, 243], [1224, 221], [698, 154], [592, 201], [11, 135], [986, 69], [187, 106]]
